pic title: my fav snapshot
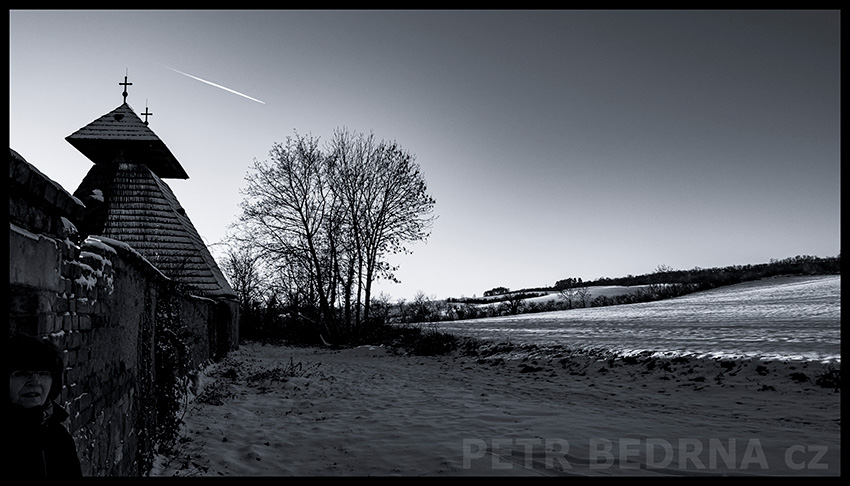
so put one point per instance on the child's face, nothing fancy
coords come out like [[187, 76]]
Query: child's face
[[29, 388]]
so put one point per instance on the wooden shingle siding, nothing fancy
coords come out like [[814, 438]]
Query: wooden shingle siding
[[142, 211], [127, 199], [123, 130]]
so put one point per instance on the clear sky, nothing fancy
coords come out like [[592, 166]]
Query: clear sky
[[556, 143]]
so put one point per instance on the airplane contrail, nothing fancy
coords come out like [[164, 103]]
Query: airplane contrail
[[213, 84]]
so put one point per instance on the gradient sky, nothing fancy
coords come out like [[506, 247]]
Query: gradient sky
[[556, 143]]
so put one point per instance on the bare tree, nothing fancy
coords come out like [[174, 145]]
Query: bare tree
[[514, 302], [287, 211], [573, 291], [387, 200], [240, 264], [583, 295], [331, 218], [664, 268]]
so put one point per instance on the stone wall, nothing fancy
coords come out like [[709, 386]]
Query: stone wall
[[106, 307]]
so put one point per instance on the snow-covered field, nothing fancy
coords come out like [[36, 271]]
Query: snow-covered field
[[283, 411], [778, 318]]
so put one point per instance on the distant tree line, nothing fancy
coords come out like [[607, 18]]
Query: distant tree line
[[490, 298], [664, 283], [706, 278], [496, 291]]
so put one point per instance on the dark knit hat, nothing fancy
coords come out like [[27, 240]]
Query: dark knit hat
[[32, 354]]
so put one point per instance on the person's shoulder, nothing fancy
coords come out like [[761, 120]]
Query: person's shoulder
[[56, 425], [58, 414]]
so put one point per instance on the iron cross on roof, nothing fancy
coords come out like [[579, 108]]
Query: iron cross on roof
[[125, 84], [146, 113]]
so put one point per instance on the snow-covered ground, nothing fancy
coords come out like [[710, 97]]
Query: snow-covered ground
[[366, 411], [793, 317]]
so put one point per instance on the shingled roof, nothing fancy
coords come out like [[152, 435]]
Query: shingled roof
[[122, 130], [126, 199]]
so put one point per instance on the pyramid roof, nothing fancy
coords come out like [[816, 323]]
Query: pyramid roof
[[121, 131], [130, 203]]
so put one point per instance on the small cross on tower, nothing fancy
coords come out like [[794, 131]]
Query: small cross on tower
[[125, 84], [146, 113]]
